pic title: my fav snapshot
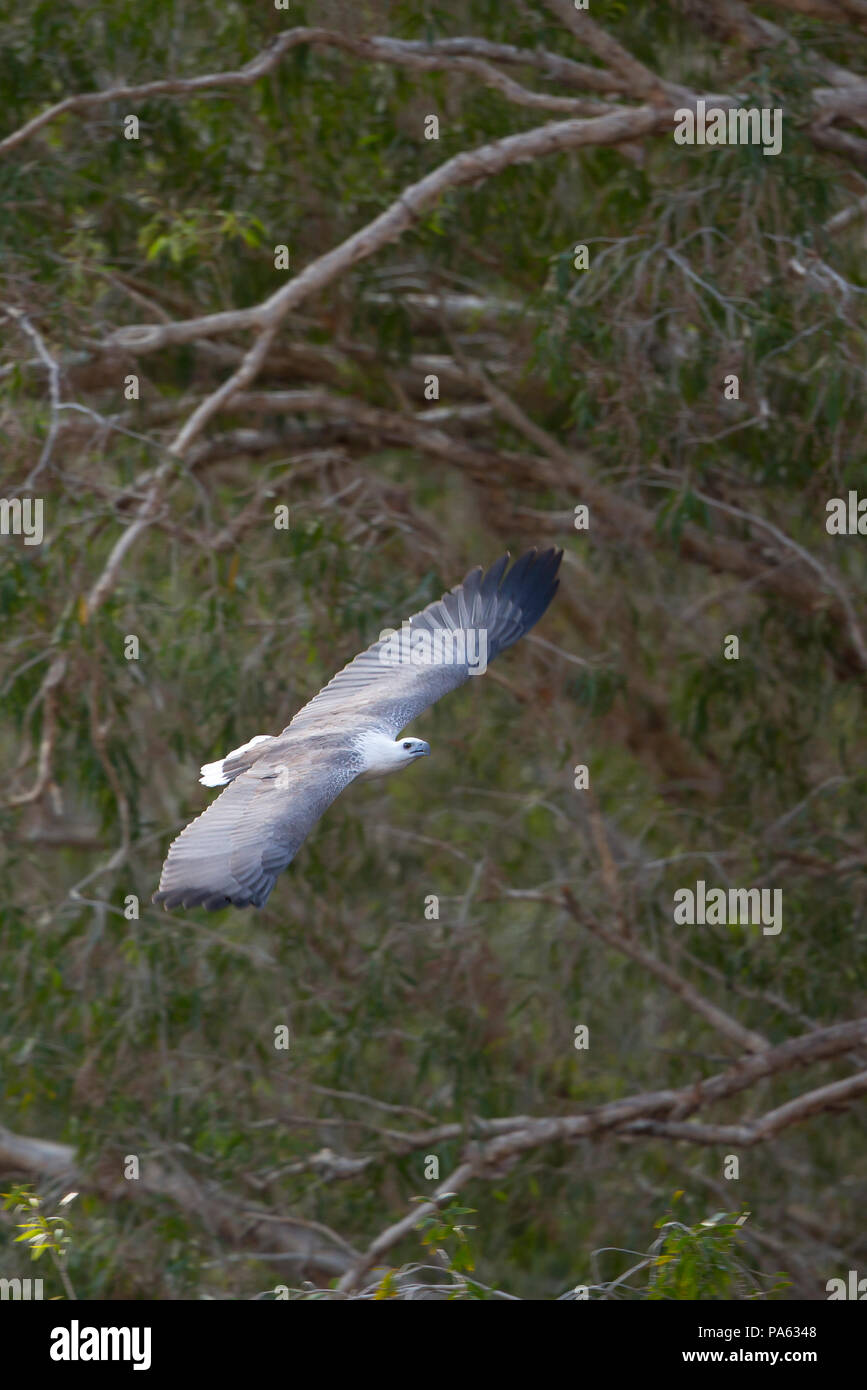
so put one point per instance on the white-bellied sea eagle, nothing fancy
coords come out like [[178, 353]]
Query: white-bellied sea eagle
[[278, 786]]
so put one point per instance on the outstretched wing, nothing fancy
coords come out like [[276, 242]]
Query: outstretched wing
[[233, 852], [393, 681], [279, 787]]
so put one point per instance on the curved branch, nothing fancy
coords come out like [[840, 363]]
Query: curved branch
[[652, 1112], [468, 167], [460, 55]]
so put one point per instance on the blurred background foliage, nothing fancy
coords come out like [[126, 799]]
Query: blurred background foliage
[[154, 1036]]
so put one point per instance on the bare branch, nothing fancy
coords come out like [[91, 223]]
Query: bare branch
[[641, 80], [310, 1243], [716, 1017], [53, 369], [468, 167], [460, 55], [832, 1097], [629, 1115]]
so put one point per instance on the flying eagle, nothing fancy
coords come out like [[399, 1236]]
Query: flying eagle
[[277, 786]]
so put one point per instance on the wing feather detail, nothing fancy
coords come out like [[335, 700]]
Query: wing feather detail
[[278, 787], [232, 853], [504, 606]]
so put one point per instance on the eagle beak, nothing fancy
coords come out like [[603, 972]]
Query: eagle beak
[[424, 751]]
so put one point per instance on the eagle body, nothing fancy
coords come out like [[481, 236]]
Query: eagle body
[[276, 787]]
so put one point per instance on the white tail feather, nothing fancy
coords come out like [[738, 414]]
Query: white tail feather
[[213, 774]]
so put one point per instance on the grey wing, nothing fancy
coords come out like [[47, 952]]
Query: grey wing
[[233, 852], [486, 609]]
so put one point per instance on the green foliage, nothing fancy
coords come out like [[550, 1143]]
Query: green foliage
[[446, 1226], [42, 1233], [705, 1262]]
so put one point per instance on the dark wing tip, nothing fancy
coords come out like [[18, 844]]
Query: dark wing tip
[[524, 592]]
